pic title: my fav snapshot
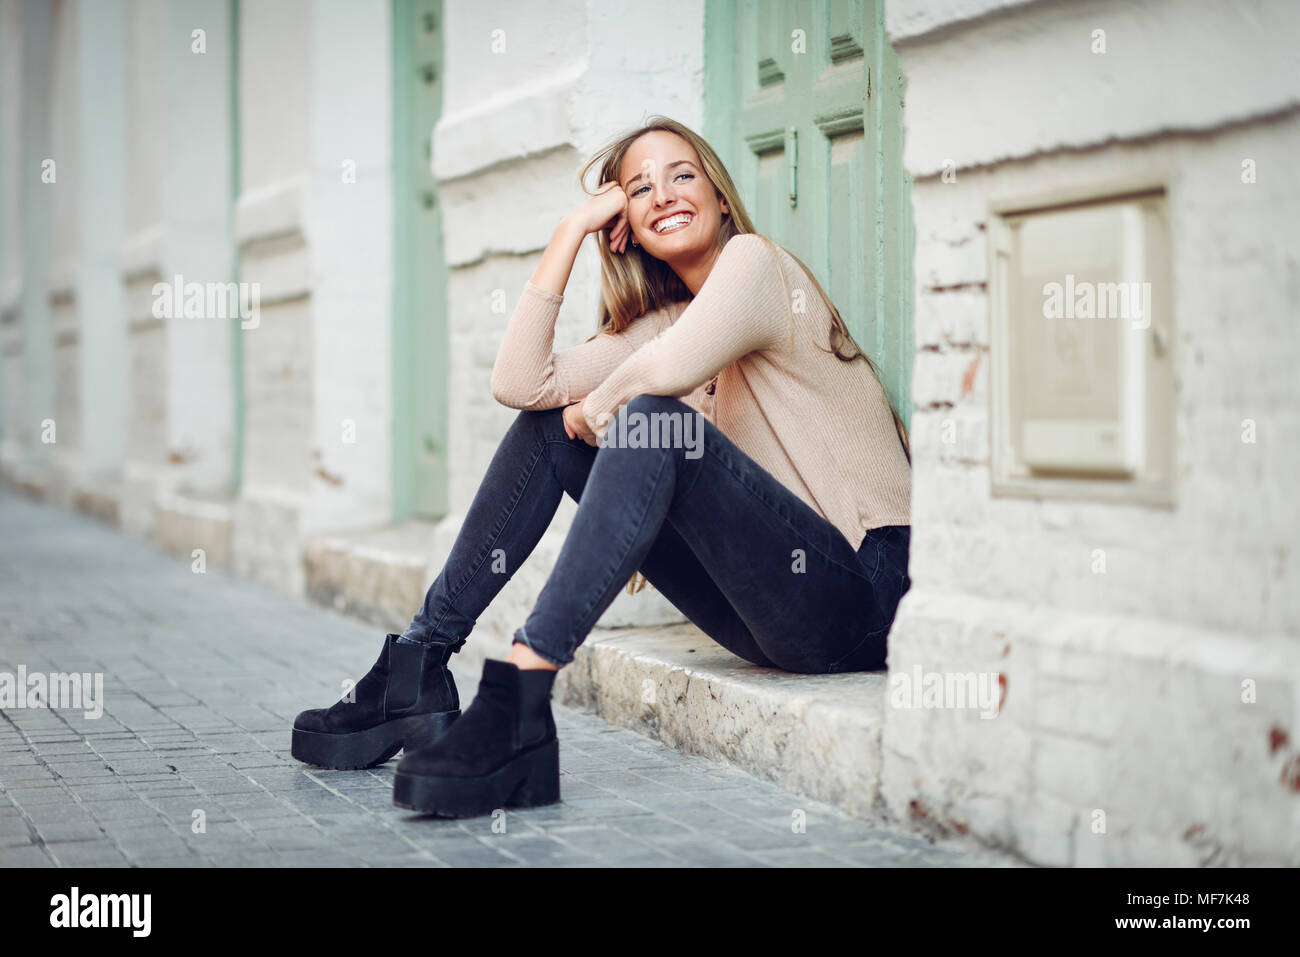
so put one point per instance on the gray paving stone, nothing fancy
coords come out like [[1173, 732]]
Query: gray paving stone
[[70, 831], [651, 826], [17, 836], [798, 857], [49, 814], [609, 806], [102, 792], [471, 852], [372, 840], [610, 847], [707, 852], [120, 810], [203, 677], [24, 773], [318, 857], [30, 856], [293, 837], [88, 854], [627, 783], [573, 787], [532, 849]]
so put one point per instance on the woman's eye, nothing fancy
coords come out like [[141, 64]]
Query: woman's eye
[[637, 191]]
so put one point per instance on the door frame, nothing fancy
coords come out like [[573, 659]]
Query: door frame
[[408, 367]]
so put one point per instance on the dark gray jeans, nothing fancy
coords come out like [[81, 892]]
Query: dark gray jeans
[[749, 562]]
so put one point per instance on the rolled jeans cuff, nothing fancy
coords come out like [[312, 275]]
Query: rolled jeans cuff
[[522, 639]]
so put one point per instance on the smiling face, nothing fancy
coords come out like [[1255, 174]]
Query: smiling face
[[672, 208]]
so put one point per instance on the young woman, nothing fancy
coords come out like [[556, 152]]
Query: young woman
[[782, 533]]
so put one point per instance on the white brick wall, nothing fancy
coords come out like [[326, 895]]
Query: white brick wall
[[1124, 689]]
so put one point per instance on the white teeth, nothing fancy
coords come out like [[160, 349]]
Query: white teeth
[[672, 222]]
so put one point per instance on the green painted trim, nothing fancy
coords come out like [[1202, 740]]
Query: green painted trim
[[402, 438], [237, 346], [720, 79]]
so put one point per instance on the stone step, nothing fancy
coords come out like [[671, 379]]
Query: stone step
[[375, 575], [816, 735], [184, 524]]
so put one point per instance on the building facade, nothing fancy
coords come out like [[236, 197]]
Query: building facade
[[257, 258]]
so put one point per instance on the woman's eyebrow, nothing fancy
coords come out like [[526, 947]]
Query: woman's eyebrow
[[669, 166]]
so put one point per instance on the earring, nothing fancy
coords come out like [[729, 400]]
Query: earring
[[634, 242]]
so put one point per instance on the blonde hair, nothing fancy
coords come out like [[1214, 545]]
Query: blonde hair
[[633, 282]]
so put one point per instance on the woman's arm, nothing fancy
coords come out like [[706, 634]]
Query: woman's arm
[[552, 273], [742, 307], [527, 373]]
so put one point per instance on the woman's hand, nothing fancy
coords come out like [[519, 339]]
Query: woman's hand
[[575, 424], [606, 209]]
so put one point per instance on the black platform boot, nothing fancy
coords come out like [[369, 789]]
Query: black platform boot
[[407, 700], [503, 752]]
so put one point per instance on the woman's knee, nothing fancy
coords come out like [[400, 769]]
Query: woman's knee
[[540, 415], [662, 422], [542, 421], [643, 402]]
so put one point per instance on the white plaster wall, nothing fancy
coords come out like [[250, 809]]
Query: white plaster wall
[[1124, 689], [30, 345], [508, 69], [105, 354], [1050, 91], [65, 142], [146, 159], [11, 75], [197, 198], [274, 91], [314, 224], [275, 70], [350, 235], [142, 263], [65, 248], [11, 222]]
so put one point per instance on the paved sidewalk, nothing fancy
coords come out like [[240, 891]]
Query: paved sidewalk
[[189, 763]]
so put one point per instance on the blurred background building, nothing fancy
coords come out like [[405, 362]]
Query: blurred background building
[[349, 196]]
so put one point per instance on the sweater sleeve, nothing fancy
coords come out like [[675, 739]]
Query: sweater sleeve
[[742, 307], [529, 374]]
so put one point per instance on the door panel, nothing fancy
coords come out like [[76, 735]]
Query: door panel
[[807, 100]]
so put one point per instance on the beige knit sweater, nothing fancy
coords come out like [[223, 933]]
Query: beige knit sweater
[[821, 426]]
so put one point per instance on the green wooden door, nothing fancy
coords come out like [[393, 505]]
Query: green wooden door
[[421, 340], [805, 104]]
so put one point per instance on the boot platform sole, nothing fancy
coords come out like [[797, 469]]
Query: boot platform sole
[[531, 779], [371, 746]]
